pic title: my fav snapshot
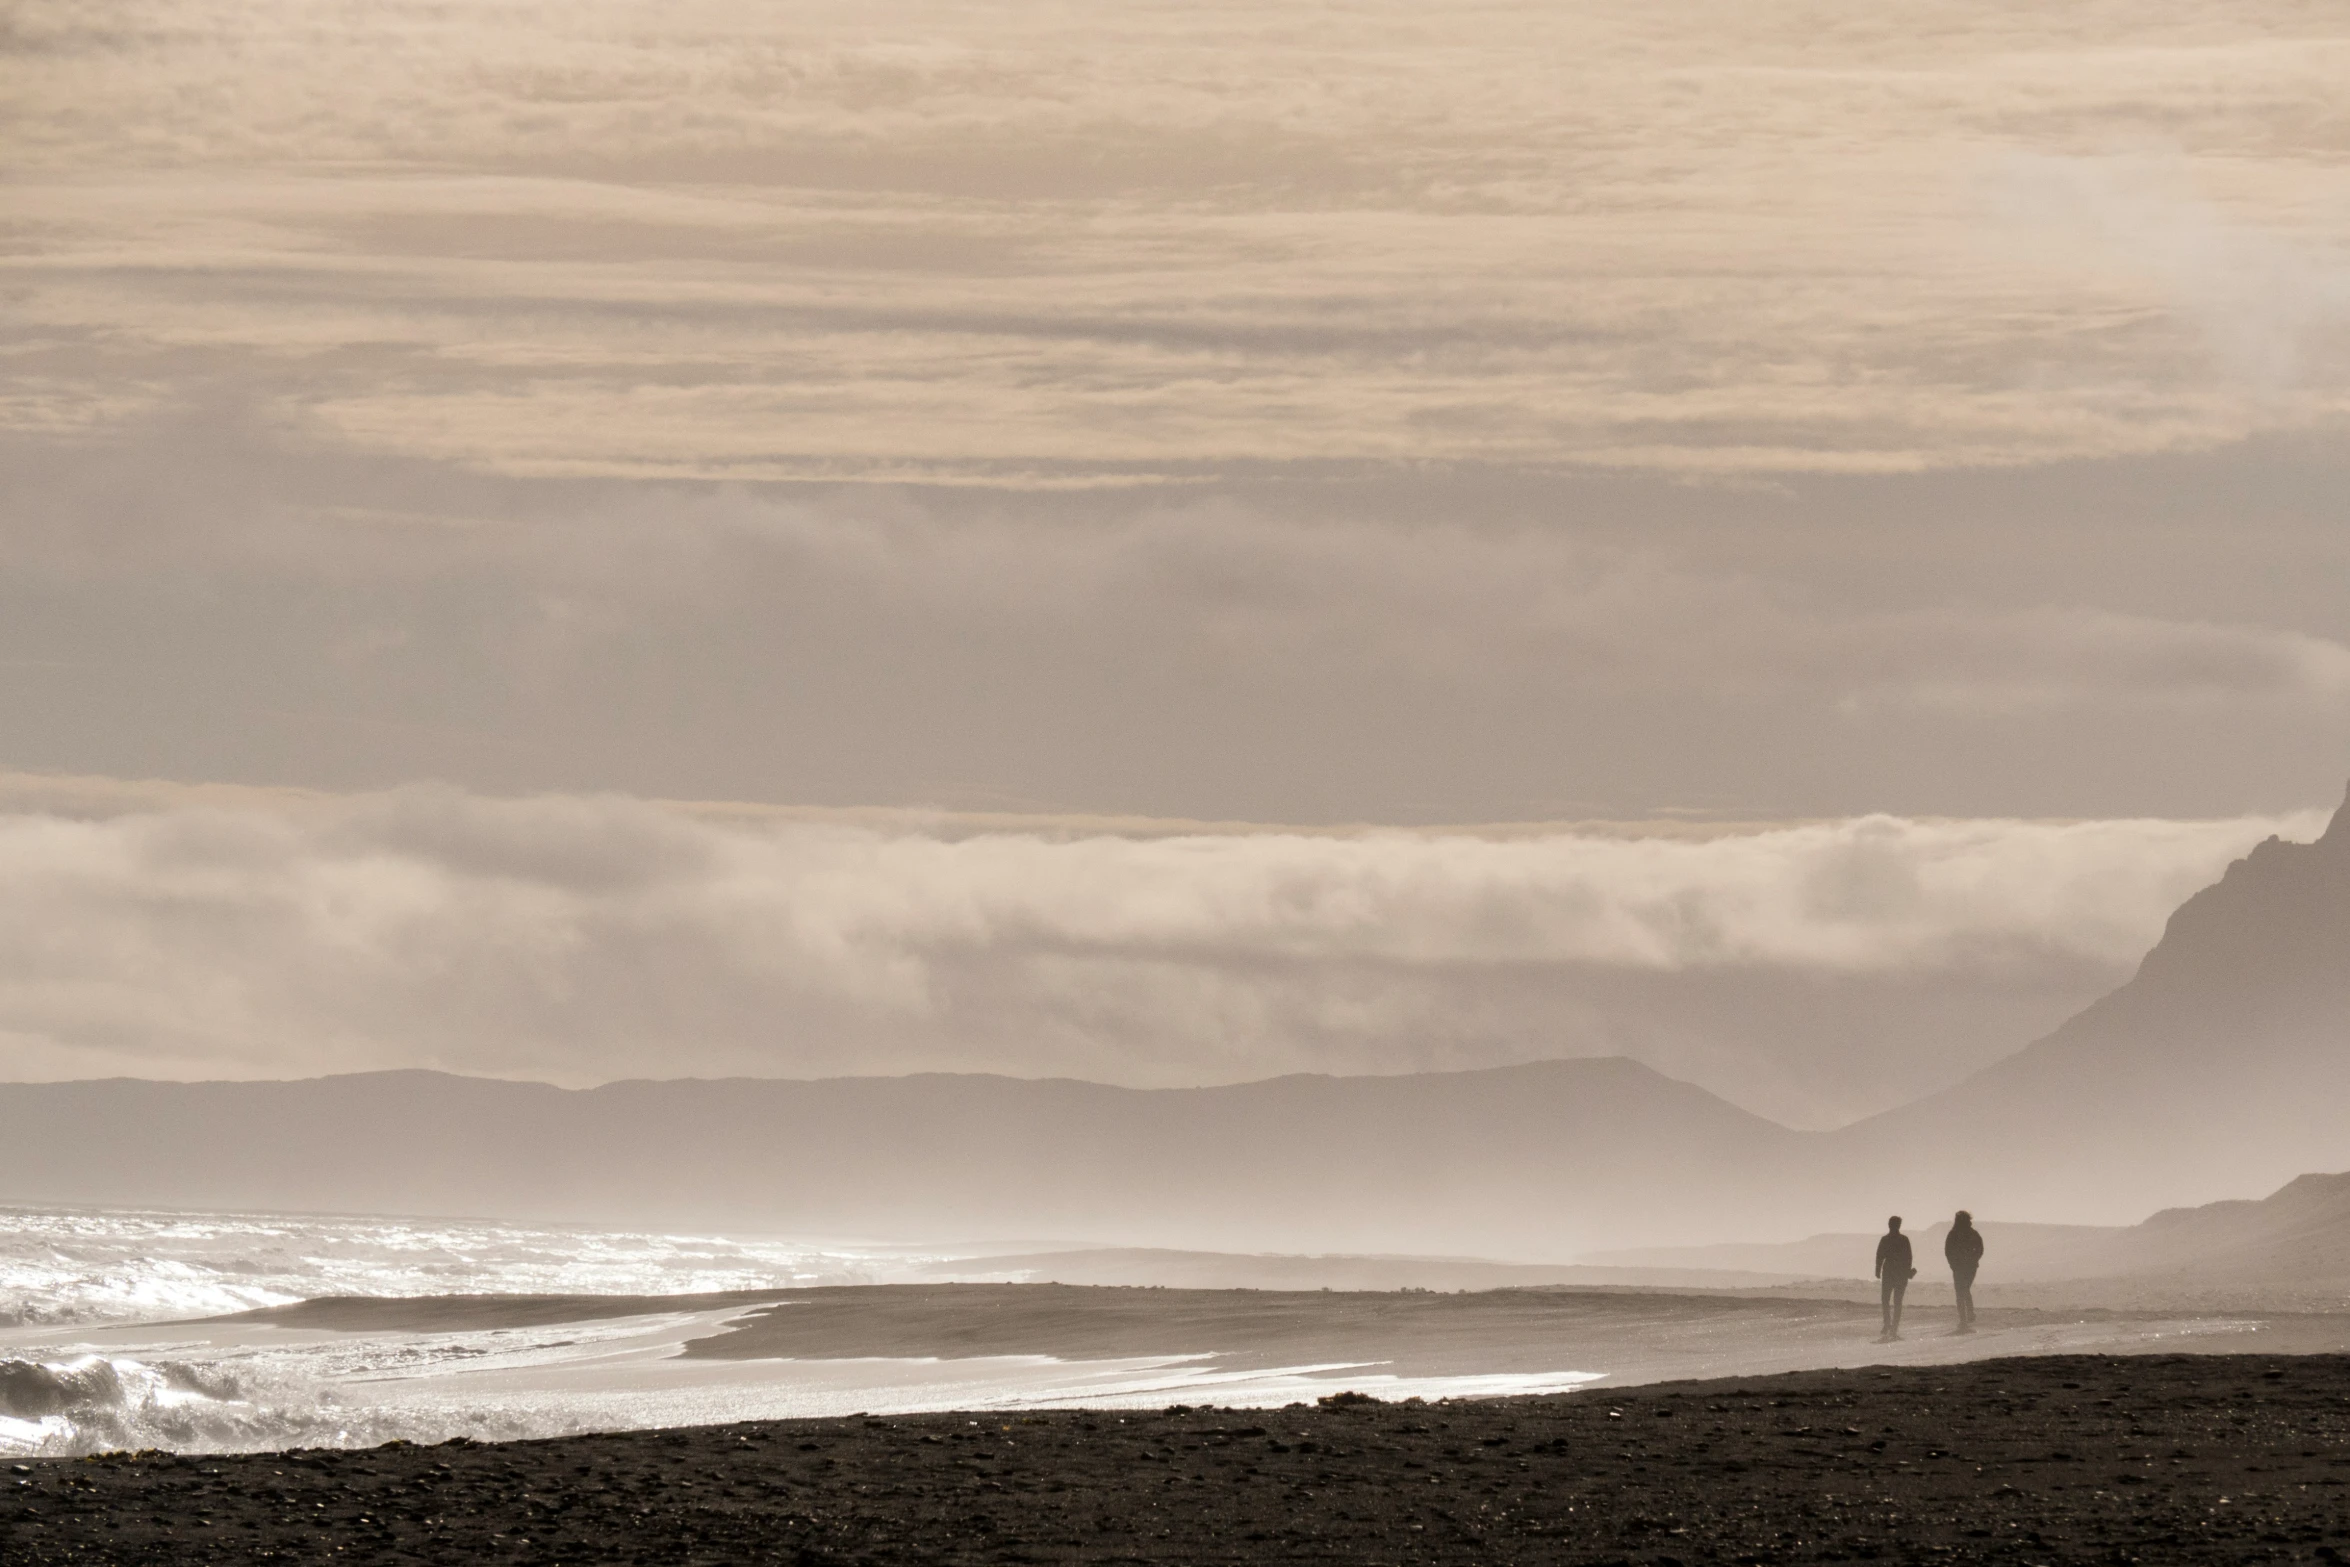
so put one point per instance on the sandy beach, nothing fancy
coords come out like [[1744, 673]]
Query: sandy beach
[[2169, 1458]]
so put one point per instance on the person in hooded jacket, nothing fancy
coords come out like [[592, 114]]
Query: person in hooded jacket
[[1894, 1271], [1963, 1250]]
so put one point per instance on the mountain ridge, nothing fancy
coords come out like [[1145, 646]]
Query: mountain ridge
[[1522, 1161], [2216, 1069]]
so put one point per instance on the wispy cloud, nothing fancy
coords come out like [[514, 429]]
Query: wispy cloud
[[2263, 276], [1043, 244]]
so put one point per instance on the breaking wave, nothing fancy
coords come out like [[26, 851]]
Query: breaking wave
[[98, 1403]]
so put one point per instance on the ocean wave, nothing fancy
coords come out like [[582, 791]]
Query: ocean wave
[[89, 1403], [99, 1403]]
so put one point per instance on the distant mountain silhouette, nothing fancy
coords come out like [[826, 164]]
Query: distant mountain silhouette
[[2223, 1065], [2298, 1235], [1534, 1162]]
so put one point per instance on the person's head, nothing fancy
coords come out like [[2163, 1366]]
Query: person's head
[[1964, 1218], [1893, 1225]]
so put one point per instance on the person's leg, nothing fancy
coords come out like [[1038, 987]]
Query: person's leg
[[1900, 1289], [1885, 1306], [1966, 1298]]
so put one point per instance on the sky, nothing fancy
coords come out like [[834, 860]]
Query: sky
[[1162, 543]]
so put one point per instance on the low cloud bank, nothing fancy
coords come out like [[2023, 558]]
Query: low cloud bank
[[587, 938]]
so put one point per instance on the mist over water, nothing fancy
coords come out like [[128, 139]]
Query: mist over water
[[93, 1266]]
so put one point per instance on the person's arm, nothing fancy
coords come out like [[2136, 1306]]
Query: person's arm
[[1878, 1271]]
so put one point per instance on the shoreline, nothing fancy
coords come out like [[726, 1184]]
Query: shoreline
[[353, 1372], [2176, 1458], [1641, 1333]]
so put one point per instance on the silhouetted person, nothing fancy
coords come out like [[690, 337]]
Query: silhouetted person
[[1964, 1251], [1894, 1271]]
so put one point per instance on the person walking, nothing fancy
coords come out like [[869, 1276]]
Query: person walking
[[1894, 1271], [1963, 1249]]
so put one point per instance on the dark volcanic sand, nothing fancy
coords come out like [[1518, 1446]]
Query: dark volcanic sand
[[2222, 1459]]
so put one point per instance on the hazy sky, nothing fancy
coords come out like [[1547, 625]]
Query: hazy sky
[[1772, 413]]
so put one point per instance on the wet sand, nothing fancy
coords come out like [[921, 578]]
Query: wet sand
[[1626, 1336], [2156, 1458]]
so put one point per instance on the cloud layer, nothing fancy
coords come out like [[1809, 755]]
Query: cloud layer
[[215, 599], [1044, 244], [585, 938]]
